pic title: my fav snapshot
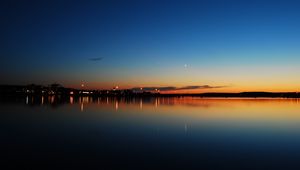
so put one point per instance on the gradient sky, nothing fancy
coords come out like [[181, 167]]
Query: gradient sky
[[235, 45]]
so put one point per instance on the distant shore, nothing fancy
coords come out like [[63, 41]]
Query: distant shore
[[243, 95], [58, 90]]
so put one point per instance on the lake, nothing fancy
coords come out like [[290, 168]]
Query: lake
[[150, 133]]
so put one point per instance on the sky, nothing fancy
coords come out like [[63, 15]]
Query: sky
[[190, 46]]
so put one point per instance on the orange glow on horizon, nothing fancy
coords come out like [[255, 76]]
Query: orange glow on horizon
[[235, 88], [220, 90]]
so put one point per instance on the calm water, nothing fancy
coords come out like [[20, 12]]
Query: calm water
[[150, 133]]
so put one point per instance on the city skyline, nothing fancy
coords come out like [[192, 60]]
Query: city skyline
[[190, 47]]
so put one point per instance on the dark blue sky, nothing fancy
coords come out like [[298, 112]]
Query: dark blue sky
[[152, 43]]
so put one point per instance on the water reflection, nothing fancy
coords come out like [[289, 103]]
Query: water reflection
[[194, 127], [188, 110], [71, 99], [204, 108], [155, 101], [81, 106], [43, 98], [117, 105], [141, 103]]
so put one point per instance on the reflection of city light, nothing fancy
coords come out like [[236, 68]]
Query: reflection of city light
[[141, 104], [117, 105], [85, 100], [52, 100], [42, 100], [81, 107], [71, 99], [27, 99]]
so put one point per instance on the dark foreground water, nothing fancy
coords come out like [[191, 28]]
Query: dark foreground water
[[149, 133]]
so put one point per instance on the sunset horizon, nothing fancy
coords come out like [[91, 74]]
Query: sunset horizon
[[193, 89]]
